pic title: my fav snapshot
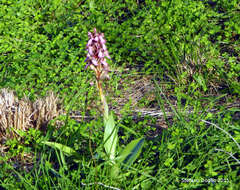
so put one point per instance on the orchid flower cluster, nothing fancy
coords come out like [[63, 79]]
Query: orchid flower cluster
[[97, 54]]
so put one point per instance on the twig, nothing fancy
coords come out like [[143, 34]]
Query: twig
[[151, 112], [99, 183], [223, 131], [229, 153]]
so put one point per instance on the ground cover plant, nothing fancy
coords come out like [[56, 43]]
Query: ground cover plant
[[174, 80]]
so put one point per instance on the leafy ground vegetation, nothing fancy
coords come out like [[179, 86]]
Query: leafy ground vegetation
[[174, 80]]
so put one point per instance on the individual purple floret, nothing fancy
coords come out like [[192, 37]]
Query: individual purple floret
[[97, 54]]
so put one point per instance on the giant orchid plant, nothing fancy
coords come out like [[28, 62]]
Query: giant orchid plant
[[97, 57]]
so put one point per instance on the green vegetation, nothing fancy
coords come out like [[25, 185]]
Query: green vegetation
[[174, 80]]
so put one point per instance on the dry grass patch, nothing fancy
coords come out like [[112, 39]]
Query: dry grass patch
[[23, 114]]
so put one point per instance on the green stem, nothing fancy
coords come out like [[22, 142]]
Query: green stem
[[103, 99]]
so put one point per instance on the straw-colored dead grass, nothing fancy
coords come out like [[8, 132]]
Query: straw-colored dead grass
[[23, 114]]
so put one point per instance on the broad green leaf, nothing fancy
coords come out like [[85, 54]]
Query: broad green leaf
[[105, 105], [131, 152], [65, 149], [110, 137]]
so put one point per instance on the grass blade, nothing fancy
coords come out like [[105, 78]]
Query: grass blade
[[65, 149]]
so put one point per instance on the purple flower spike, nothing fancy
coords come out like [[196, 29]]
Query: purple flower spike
[[96, 38], [94, 61], [90, 51], [102, 40], [89, 42], [97, 54], [104, 47], [100, 54]]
